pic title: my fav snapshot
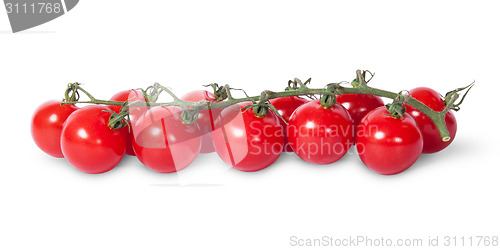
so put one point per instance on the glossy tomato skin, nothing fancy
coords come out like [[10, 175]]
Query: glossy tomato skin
[[285, 107], [47, 125], [129, 95], [388, 145], [246, 142], [89, 144], [205, 118], [318, 135], [163, 143], [359, 105], [432, 139]]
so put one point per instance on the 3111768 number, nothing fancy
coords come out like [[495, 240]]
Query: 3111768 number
[[471, 241], [33, 8]]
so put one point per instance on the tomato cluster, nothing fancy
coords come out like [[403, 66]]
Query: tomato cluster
[[247, 141]]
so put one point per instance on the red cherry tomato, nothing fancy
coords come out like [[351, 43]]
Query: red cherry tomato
[[359, 105], [388, 145], [47, 125], [432, 139], [319, 135], [129, 95], [245, 141], [89, 144], [163, 143], [205, 118], [286, 106]]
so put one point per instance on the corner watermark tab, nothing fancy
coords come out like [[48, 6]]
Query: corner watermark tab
[[26, 14]]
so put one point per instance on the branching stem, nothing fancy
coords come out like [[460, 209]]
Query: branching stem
[[300, 89]]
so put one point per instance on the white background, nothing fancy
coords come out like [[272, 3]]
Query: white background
[[116, 45]]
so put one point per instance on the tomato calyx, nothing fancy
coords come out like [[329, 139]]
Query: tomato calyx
[[360, 80], [71, 94], [397, 107], [220, 92], [189, 115], [330, 98], [297, 84], [121, 119], [262, 108], [451, 96]]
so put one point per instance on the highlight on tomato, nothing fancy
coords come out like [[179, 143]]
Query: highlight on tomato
[[162, 142], [245, 141], [320, 135]]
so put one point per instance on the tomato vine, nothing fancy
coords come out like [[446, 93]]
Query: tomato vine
[[224, 98]]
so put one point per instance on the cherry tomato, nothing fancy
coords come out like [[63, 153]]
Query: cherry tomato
[[247, 142], [89, 144], [129, 95], [319, 135], [47, 125], [205, 118], [388, 145], [432, 139], [285, 107], [359, 105], [163, 143]]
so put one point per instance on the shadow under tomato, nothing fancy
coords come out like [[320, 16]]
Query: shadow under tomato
[[458, 149], [195, 185], [53, 162]]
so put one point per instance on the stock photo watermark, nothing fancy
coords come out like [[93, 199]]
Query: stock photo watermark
[[26, 14], [322, 145], [483, 241]]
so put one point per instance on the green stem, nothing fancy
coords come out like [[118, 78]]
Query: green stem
[[437, 117]]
